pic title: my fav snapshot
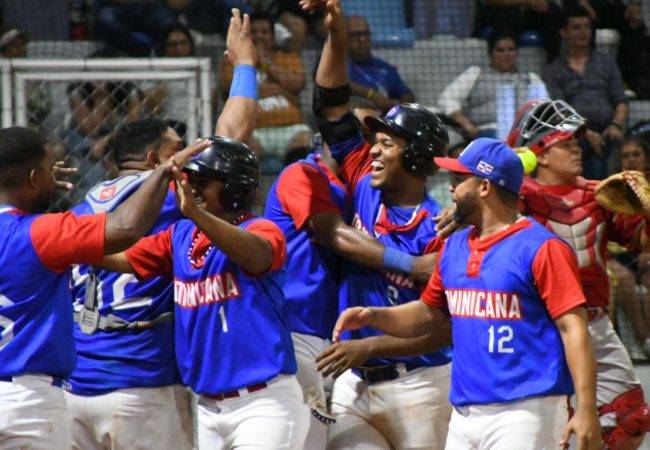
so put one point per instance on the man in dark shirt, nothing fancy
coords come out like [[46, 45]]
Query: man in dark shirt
[[371, 77], [591, 82]]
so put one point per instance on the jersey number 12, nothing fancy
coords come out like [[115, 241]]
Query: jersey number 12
[[504, 335]]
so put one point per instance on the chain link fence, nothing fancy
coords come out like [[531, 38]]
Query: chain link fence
[[77, 104]]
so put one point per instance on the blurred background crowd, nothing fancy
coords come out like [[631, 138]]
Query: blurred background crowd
[[475, 61]]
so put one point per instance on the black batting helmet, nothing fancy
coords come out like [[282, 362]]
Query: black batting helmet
[[235, 165], [424, 132]]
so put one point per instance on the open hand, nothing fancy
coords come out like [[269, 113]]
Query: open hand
[[181, 158], [446, 221], [239, 44], [351, 319], [60, 170], [341, 356]]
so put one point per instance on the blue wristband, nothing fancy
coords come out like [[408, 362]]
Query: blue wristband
[[244, 82], [397, 261]]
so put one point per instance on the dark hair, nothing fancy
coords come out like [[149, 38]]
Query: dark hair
[[641, 142], [259, 16], [507, 197], [573, 12], [21, 150], [132, 140], [161, 48], [499, 36]]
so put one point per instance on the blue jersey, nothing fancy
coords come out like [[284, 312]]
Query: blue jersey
[[230, 329], [502, 293], [110, 360], [311, 287], [375, 73], [411, 230], [36, 252]]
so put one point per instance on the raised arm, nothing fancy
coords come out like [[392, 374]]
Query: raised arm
[[133, 218], [239, 115], [332, 72]]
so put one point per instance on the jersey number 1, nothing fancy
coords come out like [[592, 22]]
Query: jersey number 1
[[505, 335]]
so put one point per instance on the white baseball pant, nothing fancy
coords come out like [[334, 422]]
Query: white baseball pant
[[307, 347], [273, 418], [410, 412], [33, 414], [531, 424], [132, 419], [614, 367]]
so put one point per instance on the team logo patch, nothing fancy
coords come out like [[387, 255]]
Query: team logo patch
[[107, 192], [484, 167]]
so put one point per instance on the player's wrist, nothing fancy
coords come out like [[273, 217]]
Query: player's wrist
[[397, 261], [244, 82]]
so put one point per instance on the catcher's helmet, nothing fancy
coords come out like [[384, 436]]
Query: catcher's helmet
[[542, 123], [424, 132], [235, 165]]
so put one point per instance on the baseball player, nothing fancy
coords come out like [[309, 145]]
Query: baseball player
[[232, 344], [36, 344], [564, 202], [310, 204], [517, 310], [390, 204], [125, 390]]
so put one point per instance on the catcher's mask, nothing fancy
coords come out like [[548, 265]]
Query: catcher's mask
[[424, 132], [235, 165], [542, 123]]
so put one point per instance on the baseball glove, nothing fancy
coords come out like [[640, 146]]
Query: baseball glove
[[627, 193]]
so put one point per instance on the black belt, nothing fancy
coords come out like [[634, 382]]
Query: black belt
[[378, 374]]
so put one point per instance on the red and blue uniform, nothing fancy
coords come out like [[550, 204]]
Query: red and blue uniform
[[111, 360], [311, 288], [230, 330], [36, 252], [503, 293], [410, 230]]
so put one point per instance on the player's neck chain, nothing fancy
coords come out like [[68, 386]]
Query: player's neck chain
[[198, 261]]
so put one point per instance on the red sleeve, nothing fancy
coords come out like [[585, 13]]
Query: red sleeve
[[270, 232], [434, 294], [555, 270], [152, 256], [357, 164], [64, 239], [304, 191]]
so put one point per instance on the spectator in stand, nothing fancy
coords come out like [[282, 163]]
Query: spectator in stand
[[96, 108], [474, 99], [13, 44], [281, 77], [630, 271], [168, 100], [371, 77], [542, 16], [591, 82], [134, 26]]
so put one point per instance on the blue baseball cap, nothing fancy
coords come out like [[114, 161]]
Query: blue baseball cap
[[491, 159]]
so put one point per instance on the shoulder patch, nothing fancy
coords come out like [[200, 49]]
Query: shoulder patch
[[105, 196]]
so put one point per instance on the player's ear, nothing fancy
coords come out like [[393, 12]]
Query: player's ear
[[484, 187], [35, 178], [152, 159], [542, 159]]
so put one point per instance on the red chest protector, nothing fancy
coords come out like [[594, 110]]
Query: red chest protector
[[572, 213]]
